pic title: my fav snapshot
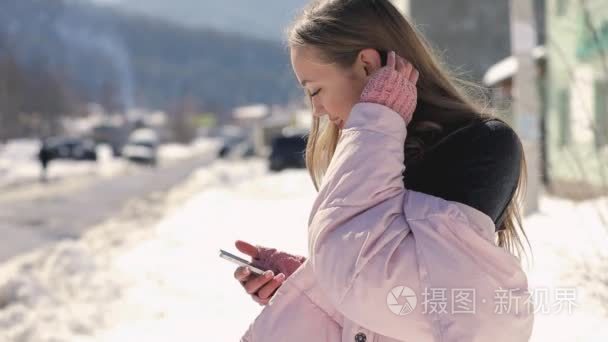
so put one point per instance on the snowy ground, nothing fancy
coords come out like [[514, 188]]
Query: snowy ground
[[153, 273], [569, 243]]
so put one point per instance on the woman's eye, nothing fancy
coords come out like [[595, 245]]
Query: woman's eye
[[315, 93]]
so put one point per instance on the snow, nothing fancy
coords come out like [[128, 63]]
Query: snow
[[507, 67], [569, 244], [174, 152], [153, 272]]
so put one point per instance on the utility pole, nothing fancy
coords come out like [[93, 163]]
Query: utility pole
[[526, 109]]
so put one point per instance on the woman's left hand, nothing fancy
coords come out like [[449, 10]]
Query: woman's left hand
[[394, 86], [279, 264], [270, 258]]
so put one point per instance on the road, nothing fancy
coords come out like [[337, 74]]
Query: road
[[38, 214]]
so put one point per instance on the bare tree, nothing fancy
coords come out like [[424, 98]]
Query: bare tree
[[32, 100], [48, 100], [110, 98], [593, 31], [12, 96]]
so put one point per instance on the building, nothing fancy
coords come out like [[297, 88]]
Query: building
[[473, 34], [577, 90], [499, 77]]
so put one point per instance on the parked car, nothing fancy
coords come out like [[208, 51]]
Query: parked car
[[142, 147], [287, 151], [70, 148]]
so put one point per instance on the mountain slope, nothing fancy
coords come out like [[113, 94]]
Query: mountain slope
[[264, 19], [144, 61]]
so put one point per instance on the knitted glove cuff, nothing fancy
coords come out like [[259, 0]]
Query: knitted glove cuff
[[390, 88]]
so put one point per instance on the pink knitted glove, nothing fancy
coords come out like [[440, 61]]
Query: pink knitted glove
[[271, 258], [277, 261], [394, 86]]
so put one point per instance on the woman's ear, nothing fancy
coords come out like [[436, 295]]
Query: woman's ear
[[369, 60]]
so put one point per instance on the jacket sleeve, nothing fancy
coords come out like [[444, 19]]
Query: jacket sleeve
[[371, 241]]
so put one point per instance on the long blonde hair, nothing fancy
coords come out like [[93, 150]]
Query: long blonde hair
[[339, 30]]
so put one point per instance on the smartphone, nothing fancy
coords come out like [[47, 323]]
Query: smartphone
[[240, 261]]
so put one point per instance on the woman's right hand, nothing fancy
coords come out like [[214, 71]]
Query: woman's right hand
[[394, 86], [262, 287]]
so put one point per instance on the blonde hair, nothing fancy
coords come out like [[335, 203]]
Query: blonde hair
[[339, 30]]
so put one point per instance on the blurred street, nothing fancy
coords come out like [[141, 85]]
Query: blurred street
[[138, 138], [36, 214]]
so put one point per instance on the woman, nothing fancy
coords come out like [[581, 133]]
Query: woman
[[448, 225]]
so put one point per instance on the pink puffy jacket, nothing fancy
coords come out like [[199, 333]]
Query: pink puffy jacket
[[390, 264]]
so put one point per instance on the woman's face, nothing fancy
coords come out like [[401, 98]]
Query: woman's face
[[334, 90]]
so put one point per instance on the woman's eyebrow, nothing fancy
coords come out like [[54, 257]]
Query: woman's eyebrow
[[303, 83]]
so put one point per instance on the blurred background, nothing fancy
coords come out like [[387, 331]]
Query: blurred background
[[138, 137]]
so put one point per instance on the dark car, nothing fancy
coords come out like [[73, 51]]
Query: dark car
[[288, 151], [70, 148]]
